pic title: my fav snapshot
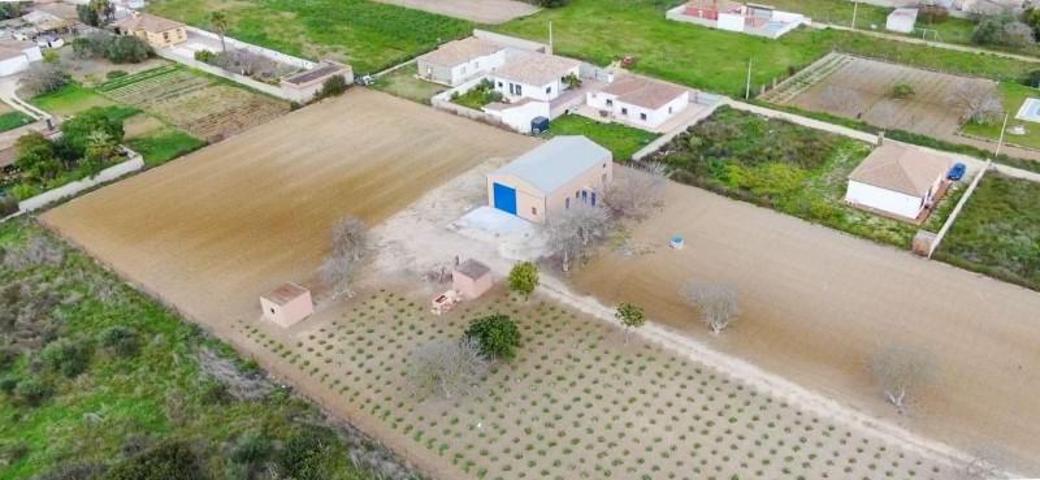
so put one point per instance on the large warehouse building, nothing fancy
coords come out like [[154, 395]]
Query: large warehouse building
[[565, 171]]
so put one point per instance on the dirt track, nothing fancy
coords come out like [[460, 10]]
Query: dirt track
[[480, 11], [816, 303], [214, 230]]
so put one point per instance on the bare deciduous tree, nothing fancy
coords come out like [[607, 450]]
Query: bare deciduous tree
[[448, 368], [977, 102], [898, 370], [635, 193], [43, 78], [349, 244], [574, 231], [717, 303]]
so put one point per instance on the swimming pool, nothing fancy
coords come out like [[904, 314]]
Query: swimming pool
[[1030, 110]]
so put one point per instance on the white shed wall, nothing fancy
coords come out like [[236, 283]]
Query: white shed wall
[[885, 200]]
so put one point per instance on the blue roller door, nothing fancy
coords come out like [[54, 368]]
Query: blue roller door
[[505, 198]]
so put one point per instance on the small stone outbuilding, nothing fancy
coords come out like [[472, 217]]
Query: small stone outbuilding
[[287, 305], [471, 279]]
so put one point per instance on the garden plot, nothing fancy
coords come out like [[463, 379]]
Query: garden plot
[[864, 89], [205, 107], [577, 402]]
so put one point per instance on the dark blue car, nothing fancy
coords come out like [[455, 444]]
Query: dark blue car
[[957, 172]]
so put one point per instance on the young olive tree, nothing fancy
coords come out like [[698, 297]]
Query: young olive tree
[[717, 302], [899, 370], [497, 336], [636, 193], [631, 316], [349, 245], [448, 368], [574, 231], [523, 278]]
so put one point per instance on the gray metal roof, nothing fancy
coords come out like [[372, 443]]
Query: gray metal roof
[[556, 162]]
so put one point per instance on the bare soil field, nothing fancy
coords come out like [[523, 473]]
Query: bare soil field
[[861, 89], [212, 231], [480, 11], [816, 304]]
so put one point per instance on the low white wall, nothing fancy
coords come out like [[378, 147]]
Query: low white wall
[[272, 90], [519, 118], [135, 163], [272, 54], [896, 203]]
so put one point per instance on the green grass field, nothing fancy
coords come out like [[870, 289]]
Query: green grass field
[[620, 139], [370, 36], [1014, 95], [14, 119], [792, 169], [70, 100], [601, 31], [998, 233], [72, 398], [403, 83], [164, 145]]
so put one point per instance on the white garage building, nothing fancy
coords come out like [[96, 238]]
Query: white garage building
[[898, 180], [16, 55]]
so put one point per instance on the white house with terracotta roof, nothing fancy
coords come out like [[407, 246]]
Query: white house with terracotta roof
[[159, 32], [16, 55], [534, 75], [460, 60], [899, 180], [639, 101]]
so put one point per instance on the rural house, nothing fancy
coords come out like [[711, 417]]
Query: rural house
[[554, 176], [459, 60], [302, 87], [898, 180], [16, 55], [534, 75], [159, 32], [749, 18], [639, 101], [901, 20]]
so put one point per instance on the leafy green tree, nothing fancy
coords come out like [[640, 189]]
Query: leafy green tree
[[36, 157], [78, 131], [127, 49], [332, 87], [119, 340], [497, 335], [33, 391], [69, 357], [219, 21], [101, 149], [523, 278], [630, 316]]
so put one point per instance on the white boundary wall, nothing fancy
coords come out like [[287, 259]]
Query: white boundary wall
[[135, 163], [513, 42], [272, 90], [272, 54]]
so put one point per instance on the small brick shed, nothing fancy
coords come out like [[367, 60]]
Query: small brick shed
[[471, 279], [287, 305]]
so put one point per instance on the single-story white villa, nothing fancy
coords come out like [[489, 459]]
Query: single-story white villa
[[902, 20], [898, 180], [16, 55], [640, 101], [534, 75], [750, 18], [553, 177], [460, 60]]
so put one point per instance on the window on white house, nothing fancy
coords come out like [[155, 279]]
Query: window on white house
[[610, 103], [548, 90], [624, 111], [642, 116], [534, 211]]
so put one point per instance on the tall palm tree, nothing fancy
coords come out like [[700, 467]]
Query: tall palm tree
[[219, 20]]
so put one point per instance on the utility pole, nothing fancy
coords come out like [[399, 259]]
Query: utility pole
[[747, 87], [550, 38], [855, 10], [1000, 143]]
